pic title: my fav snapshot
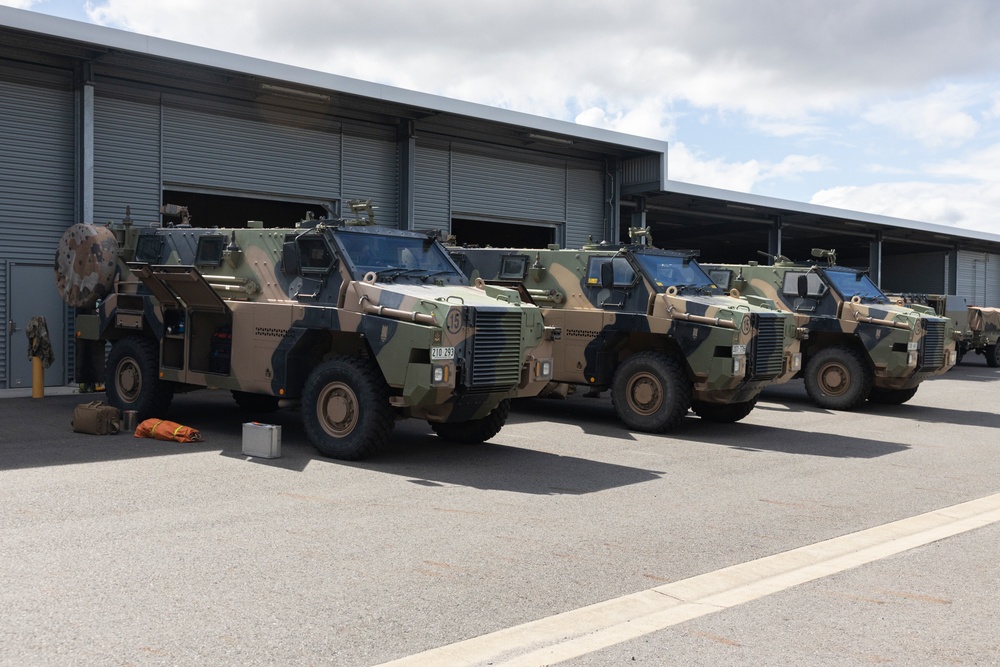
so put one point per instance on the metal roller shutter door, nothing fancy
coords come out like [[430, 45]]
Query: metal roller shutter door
[[585, 208], [126, 160], [992, 293], [231, 154], [972, 277], [432, 188], [371, 171], [487, 185], [36, 181]]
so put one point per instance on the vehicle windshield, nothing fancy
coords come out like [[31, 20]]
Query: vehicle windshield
[[390, 256], [669, 270], [854, 283]]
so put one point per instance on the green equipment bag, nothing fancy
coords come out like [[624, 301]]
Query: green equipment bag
[[96, 418]]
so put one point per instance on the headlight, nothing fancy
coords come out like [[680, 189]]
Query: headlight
[[795, 362], [911, 358], [952, 358], [543, 369], [737, 365], [440, 374]]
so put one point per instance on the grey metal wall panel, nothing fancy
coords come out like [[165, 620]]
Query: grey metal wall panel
[[432, 192], [585, 207], [972, 277], [490, 185], [36, 180], [126, 159], [371, 171], [992, 293], [924, 272], [207, 149]]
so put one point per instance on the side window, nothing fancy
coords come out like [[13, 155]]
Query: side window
[[314, 255], [209, 252], [624, 273], [790, 286], [721, 277]]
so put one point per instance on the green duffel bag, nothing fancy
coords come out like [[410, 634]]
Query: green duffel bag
[[96, 418]]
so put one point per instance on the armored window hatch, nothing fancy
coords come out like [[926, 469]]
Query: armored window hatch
[[179, 286]]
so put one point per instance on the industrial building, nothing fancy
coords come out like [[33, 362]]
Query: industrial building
[[98, 124]]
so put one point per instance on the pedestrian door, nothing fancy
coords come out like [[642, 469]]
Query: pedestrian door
[[32, 293]]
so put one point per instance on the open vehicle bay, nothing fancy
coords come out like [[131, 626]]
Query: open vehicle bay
[[119, 550]]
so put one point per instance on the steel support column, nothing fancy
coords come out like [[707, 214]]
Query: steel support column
[[774, 238], [407, 141], [875, 259], [85, 144]]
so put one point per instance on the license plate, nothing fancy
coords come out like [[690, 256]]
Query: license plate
[[739, 349], [438, 353]]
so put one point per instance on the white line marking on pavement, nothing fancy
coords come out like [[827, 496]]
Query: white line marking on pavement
[[580, 631]]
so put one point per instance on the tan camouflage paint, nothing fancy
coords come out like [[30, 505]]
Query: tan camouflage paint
[[261, 312], [582, 321], [891, 326]]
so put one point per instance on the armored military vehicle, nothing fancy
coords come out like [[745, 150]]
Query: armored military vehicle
[[861, 345], [356, 323], [649, 325], [978, 325]]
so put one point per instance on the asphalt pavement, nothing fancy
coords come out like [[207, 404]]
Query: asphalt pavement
[[125, 551]]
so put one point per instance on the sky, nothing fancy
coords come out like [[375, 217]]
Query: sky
[[889, 107]]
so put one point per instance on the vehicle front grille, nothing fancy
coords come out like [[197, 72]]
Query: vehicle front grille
[[932, 347], [496, 351], [767, 349]]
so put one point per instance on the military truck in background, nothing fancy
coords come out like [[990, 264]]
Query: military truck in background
[[356, 323], [649, 325], [861, 345], [978, 325]]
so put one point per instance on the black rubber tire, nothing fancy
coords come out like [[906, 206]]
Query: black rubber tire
[[345, 408], [960, 351], [992, 353], [477, 430], [838, 378], [891, 396], [255, 404], [132, 378], [650, 392], [723, 413]]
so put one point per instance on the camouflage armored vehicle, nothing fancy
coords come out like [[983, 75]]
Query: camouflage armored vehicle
[[649, 325], [979, 326], [358, 324], [861, 345]]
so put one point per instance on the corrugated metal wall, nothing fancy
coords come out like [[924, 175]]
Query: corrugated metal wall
[[488, 185], [208, 149], [452, 181], [126, 159], [371, 171], [584, 207], [432, 187], [36, 178], [972, 277]]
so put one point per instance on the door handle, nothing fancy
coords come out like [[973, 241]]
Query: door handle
[[11, 326]]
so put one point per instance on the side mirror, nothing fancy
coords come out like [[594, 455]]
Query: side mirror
[[803, 286], [290, 263], [607, 275]]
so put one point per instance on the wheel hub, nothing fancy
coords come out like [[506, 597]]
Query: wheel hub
[[834, 379], [645, 394], [337, 409]]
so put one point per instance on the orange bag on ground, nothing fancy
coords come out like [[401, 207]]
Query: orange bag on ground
[[162, 429]]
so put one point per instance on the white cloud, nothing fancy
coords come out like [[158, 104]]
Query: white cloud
[[970, 205], [692, 167], [935, 120], [19, 4]]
